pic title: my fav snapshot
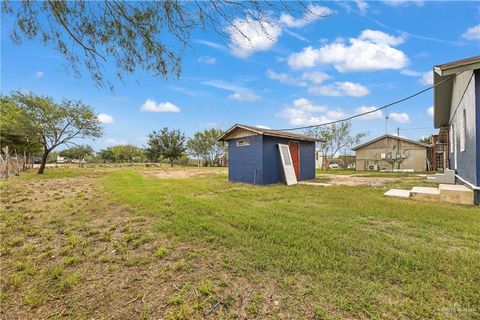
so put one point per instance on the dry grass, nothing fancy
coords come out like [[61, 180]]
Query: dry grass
[[121, 244]]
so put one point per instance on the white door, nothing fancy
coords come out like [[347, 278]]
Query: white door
[[287, 164]]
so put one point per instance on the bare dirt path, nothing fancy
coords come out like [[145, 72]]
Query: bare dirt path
[[184, 173]]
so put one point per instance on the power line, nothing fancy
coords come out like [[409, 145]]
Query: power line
[[371, 111]]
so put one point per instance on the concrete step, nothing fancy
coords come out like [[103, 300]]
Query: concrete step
[[454, 193], [425, 194], [398, 193], [447, 177]]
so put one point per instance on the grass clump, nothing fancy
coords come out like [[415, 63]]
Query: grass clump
[[161, 252]]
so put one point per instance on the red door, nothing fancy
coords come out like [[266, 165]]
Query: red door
[[295, 152]]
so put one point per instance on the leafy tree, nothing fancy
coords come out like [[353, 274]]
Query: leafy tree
[[135, 35], [334, 138], [127, 153], [106, 155], [77, 152], [54, 124], [204, 145], [166, 144], [426, 140], [15, 130]]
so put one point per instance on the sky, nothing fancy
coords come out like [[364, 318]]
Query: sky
[[308, 70]]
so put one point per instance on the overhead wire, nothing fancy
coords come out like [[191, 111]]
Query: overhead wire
[[371, 111]]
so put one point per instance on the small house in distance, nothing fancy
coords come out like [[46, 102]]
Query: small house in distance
[[389, 152], [253, 155]]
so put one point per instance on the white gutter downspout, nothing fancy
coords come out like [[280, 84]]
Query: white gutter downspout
[[471, 185]]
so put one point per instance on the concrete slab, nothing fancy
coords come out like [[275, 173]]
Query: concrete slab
[[425, 190], [454, 187], [398, 193], [454, 193], [317, 184], [425, 194]]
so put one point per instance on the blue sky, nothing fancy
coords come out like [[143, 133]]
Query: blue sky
[[307, 71]]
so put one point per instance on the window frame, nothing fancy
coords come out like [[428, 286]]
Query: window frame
[[242, 142]]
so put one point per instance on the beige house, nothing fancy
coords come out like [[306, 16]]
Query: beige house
[[390, 152]]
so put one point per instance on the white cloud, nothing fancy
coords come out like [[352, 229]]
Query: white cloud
[[244, 96], [315, 76], [105, 118], [372, 50], [399, 117], [374, 115], [397, 3], [248, 36], [207, 60], [239, 93], [313, 13], [362, 6], [427, 78], [304, 112], [211, 44], [339, 89], [472, 33], [152, 106], [39, 74], [380, 37], [262, 127], [430, 111], [296, 35], [285, 78]]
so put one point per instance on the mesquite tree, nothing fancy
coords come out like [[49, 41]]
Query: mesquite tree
[[205, 146], [334, 138], [166, 144], [53, 124]]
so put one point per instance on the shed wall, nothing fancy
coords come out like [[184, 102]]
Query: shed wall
[[245, 160], [272, 166]]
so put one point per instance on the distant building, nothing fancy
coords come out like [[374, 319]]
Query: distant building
[[389, 152], [253, 154], [457, 115]]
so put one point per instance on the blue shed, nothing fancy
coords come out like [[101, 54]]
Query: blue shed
[[253, 155]]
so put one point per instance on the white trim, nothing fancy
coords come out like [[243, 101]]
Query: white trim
[[471, 185]]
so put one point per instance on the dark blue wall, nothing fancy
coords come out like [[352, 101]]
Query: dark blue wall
[[262, 154], [244, 160], [477, 128], [272, 165]]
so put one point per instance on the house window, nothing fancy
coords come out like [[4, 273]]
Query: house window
[[242, 143], [451, 137], [463, 130]]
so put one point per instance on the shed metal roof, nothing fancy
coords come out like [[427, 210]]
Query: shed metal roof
[[390, 137], [266, 132]]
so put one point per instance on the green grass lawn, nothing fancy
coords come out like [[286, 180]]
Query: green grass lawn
[[264, 252]]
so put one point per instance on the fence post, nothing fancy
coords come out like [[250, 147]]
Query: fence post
[[6, 162]]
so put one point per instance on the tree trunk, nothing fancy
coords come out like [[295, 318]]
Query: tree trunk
[[171, 162], [44, 162]]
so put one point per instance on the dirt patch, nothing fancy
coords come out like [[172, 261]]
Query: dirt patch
[[352, 180], [176, 173]]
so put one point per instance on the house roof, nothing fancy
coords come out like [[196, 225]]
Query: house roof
[[442, 93], [390, 137], [266, 132]]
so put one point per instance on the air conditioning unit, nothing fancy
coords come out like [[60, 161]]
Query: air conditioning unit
[[372, 167]]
